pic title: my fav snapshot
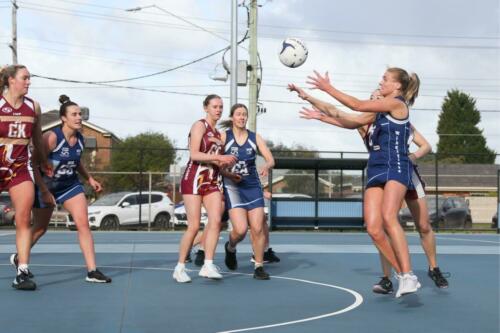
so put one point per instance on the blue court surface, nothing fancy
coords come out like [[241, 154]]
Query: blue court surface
[[322, 284]]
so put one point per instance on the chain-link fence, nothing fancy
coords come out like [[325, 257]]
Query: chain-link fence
[[459, 196]]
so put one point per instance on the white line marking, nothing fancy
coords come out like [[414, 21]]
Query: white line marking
[[358, 299], [467, 240], [10, 234]]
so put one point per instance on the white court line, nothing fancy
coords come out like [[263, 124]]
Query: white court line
[[9, 234], [465, 240], [358, 299]]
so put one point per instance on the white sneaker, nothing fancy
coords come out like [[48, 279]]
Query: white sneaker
[[210, 271], [180, 275], [408, 283]]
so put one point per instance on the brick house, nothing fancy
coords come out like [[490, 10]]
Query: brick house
[[99, 142]]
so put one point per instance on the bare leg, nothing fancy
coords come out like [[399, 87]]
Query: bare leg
[[420, 213], [256, 219], [41, 220], [213, 205], [394, 193], [374, 224], [77, 207], [23, 196], [193, 211]]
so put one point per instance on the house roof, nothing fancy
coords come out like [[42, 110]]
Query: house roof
[[460, 175], [51, 119], [320, 163]]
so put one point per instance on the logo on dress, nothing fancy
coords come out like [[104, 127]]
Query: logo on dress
[[7, 109], [65, 152], [249, 151], [234, 151]]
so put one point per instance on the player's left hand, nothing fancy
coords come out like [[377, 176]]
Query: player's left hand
[[95, 185], [319, 82], [264, 171], [47, 169]]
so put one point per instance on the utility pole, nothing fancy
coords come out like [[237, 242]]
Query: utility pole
[[13, 45], [234, 54], [253, 79]]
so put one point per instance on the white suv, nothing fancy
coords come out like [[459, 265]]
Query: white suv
[[114, 210]]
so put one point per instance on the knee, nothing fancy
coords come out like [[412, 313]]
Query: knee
[[388, 215], [39, 230], [239, 232], [192, 228], [424, 229], [375, 232]]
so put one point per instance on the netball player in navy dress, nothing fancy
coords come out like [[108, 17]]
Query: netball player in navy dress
[[64, 146], [415, 199], [242, 189], [389, 167]]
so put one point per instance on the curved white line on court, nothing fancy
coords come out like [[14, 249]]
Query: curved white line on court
[[357, 302], [358, 299]]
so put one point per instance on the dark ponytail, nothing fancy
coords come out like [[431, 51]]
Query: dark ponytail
[[65, 103]]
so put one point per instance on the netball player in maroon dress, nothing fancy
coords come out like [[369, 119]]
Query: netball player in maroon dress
[[19, 123], [202, 184]]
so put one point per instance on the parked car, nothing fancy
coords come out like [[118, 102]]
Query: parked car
[[115, 210], [452, 212], [494, 221], [181, 217], [6, 210]]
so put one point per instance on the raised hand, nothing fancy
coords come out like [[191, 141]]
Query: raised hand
[[313, 113], [300, 92], [376, 94], [319, 82]]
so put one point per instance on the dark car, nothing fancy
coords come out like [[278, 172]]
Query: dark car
[[452, 212], [6, 210]]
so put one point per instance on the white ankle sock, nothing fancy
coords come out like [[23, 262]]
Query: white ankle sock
[[208, 262], [22, 267], [180, 265]]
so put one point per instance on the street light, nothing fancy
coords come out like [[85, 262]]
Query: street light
[[234, 42]]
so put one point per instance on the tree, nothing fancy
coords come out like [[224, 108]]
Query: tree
[[466, 144], [150, 151]]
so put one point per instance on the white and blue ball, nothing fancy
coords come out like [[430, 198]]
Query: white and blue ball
[[293, 52]]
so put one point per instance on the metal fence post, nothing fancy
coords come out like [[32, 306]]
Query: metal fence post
[[141, 163], [149, 199], [437, 189]]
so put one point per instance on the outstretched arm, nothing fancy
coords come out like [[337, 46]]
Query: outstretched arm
[[378, 105]]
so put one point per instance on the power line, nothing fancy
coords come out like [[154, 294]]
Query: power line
[[303, 29], [132, 78], [268, 36]]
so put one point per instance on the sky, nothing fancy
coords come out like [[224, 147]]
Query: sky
[[450, 44]]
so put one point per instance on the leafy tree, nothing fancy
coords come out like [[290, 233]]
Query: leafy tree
[[150, 151], [460, 116]]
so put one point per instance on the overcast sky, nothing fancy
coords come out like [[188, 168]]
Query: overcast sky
[[448, 43]]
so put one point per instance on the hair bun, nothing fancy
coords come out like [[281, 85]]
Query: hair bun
[[64, 99]]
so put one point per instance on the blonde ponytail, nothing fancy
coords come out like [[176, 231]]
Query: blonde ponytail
[[411, 91]]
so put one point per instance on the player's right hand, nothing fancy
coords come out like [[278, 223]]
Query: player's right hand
[[227, 161], [48, 198]]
